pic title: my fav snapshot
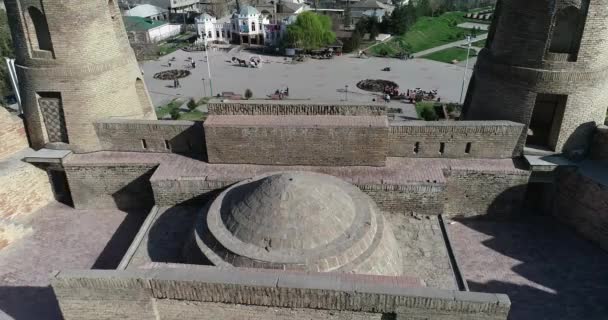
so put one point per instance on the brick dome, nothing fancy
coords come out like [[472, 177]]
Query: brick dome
[[296, 221]]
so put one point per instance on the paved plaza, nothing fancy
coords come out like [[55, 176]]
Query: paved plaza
[[314, 80]]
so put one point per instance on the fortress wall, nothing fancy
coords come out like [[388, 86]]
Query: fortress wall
[[285, 108], [184, 291], [181, 137], [297, 140], [599, 147], [12, 134], [582, 203], [487, 139], [123, 186], [484, 192]]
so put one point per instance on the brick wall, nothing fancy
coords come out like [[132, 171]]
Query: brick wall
[[24, 188], [124, 186], [181, 137], [413, 198], [156, 294], [583, 203], [12, 134], [284, 108], [483, 192], [297, 140], [91, 67], [460, 139], [518, 66], [599, 147]]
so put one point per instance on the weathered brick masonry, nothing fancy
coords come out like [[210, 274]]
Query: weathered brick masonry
[[86, 65], [459, 139], [12, 134], [123, 186], [291, 108], [582, 202], [178, 292], [521, 63], [297, 140], [181, 137]]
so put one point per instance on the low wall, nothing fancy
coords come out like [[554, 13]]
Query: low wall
[[583, 203], [599, 146], [123, 186], [284, 108], [181, 137], [413, 198], [297, 140], [454, 139], [12, 134], [184, 292], [496, 194]]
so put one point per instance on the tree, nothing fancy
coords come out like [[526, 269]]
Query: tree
[[347, 16], [248, 94], [174, 113], [353, 42], [423, 8], [192, 104], [374, 29], [310, 31]]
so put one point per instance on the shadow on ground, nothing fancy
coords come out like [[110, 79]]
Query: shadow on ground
[[28, 303], [547, 270]]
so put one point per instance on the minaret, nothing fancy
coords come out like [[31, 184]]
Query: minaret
[[545, 66], [75, 66]]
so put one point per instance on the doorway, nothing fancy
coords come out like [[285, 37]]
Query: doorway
[[546, 121]]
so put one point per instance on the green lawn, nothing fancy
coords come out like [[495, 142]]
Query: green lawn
[[166, 109], [426, 33], [427, 107], [193, 115], [449, 55], [479, 44]]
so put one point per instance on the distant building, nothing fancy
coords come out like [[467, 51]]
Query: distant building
[[248, 26], [143, 30], [173, 6], [148, 11], [370, 9]]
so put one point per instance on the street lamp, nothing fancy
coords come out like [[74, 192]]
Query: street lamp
[[346, 92], [204, 88], [465, 68]]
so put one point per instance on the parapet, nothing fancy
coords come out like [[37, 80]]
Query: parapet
[[181, 137], [287, 108], [323, 140], [454, 139], [197, 290]]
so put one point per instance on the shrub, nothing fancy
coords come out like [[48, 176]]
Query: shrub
[[248, 94], [174, 114], [428, 114], [192, 104]]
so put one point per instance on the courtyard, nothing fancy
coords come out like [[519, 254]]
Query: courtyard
[[312, 80]]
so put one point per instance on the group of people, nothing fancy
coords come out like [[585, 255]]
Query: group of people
[[282, 93]]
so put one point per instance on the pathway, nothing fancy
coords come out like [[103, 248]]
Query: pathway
[[449, 45]]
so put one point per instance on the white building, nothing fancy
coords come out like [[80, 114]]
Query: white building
[[173, 5], [248, 26], [148, 11], [143, 30]]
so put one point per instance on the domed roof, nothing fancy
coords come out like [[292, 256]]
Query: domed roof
[[288, 211], [296, 221]]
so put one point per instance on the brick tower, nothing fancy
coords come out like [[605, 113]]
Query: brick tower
[[545, 65], [75, 66]]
